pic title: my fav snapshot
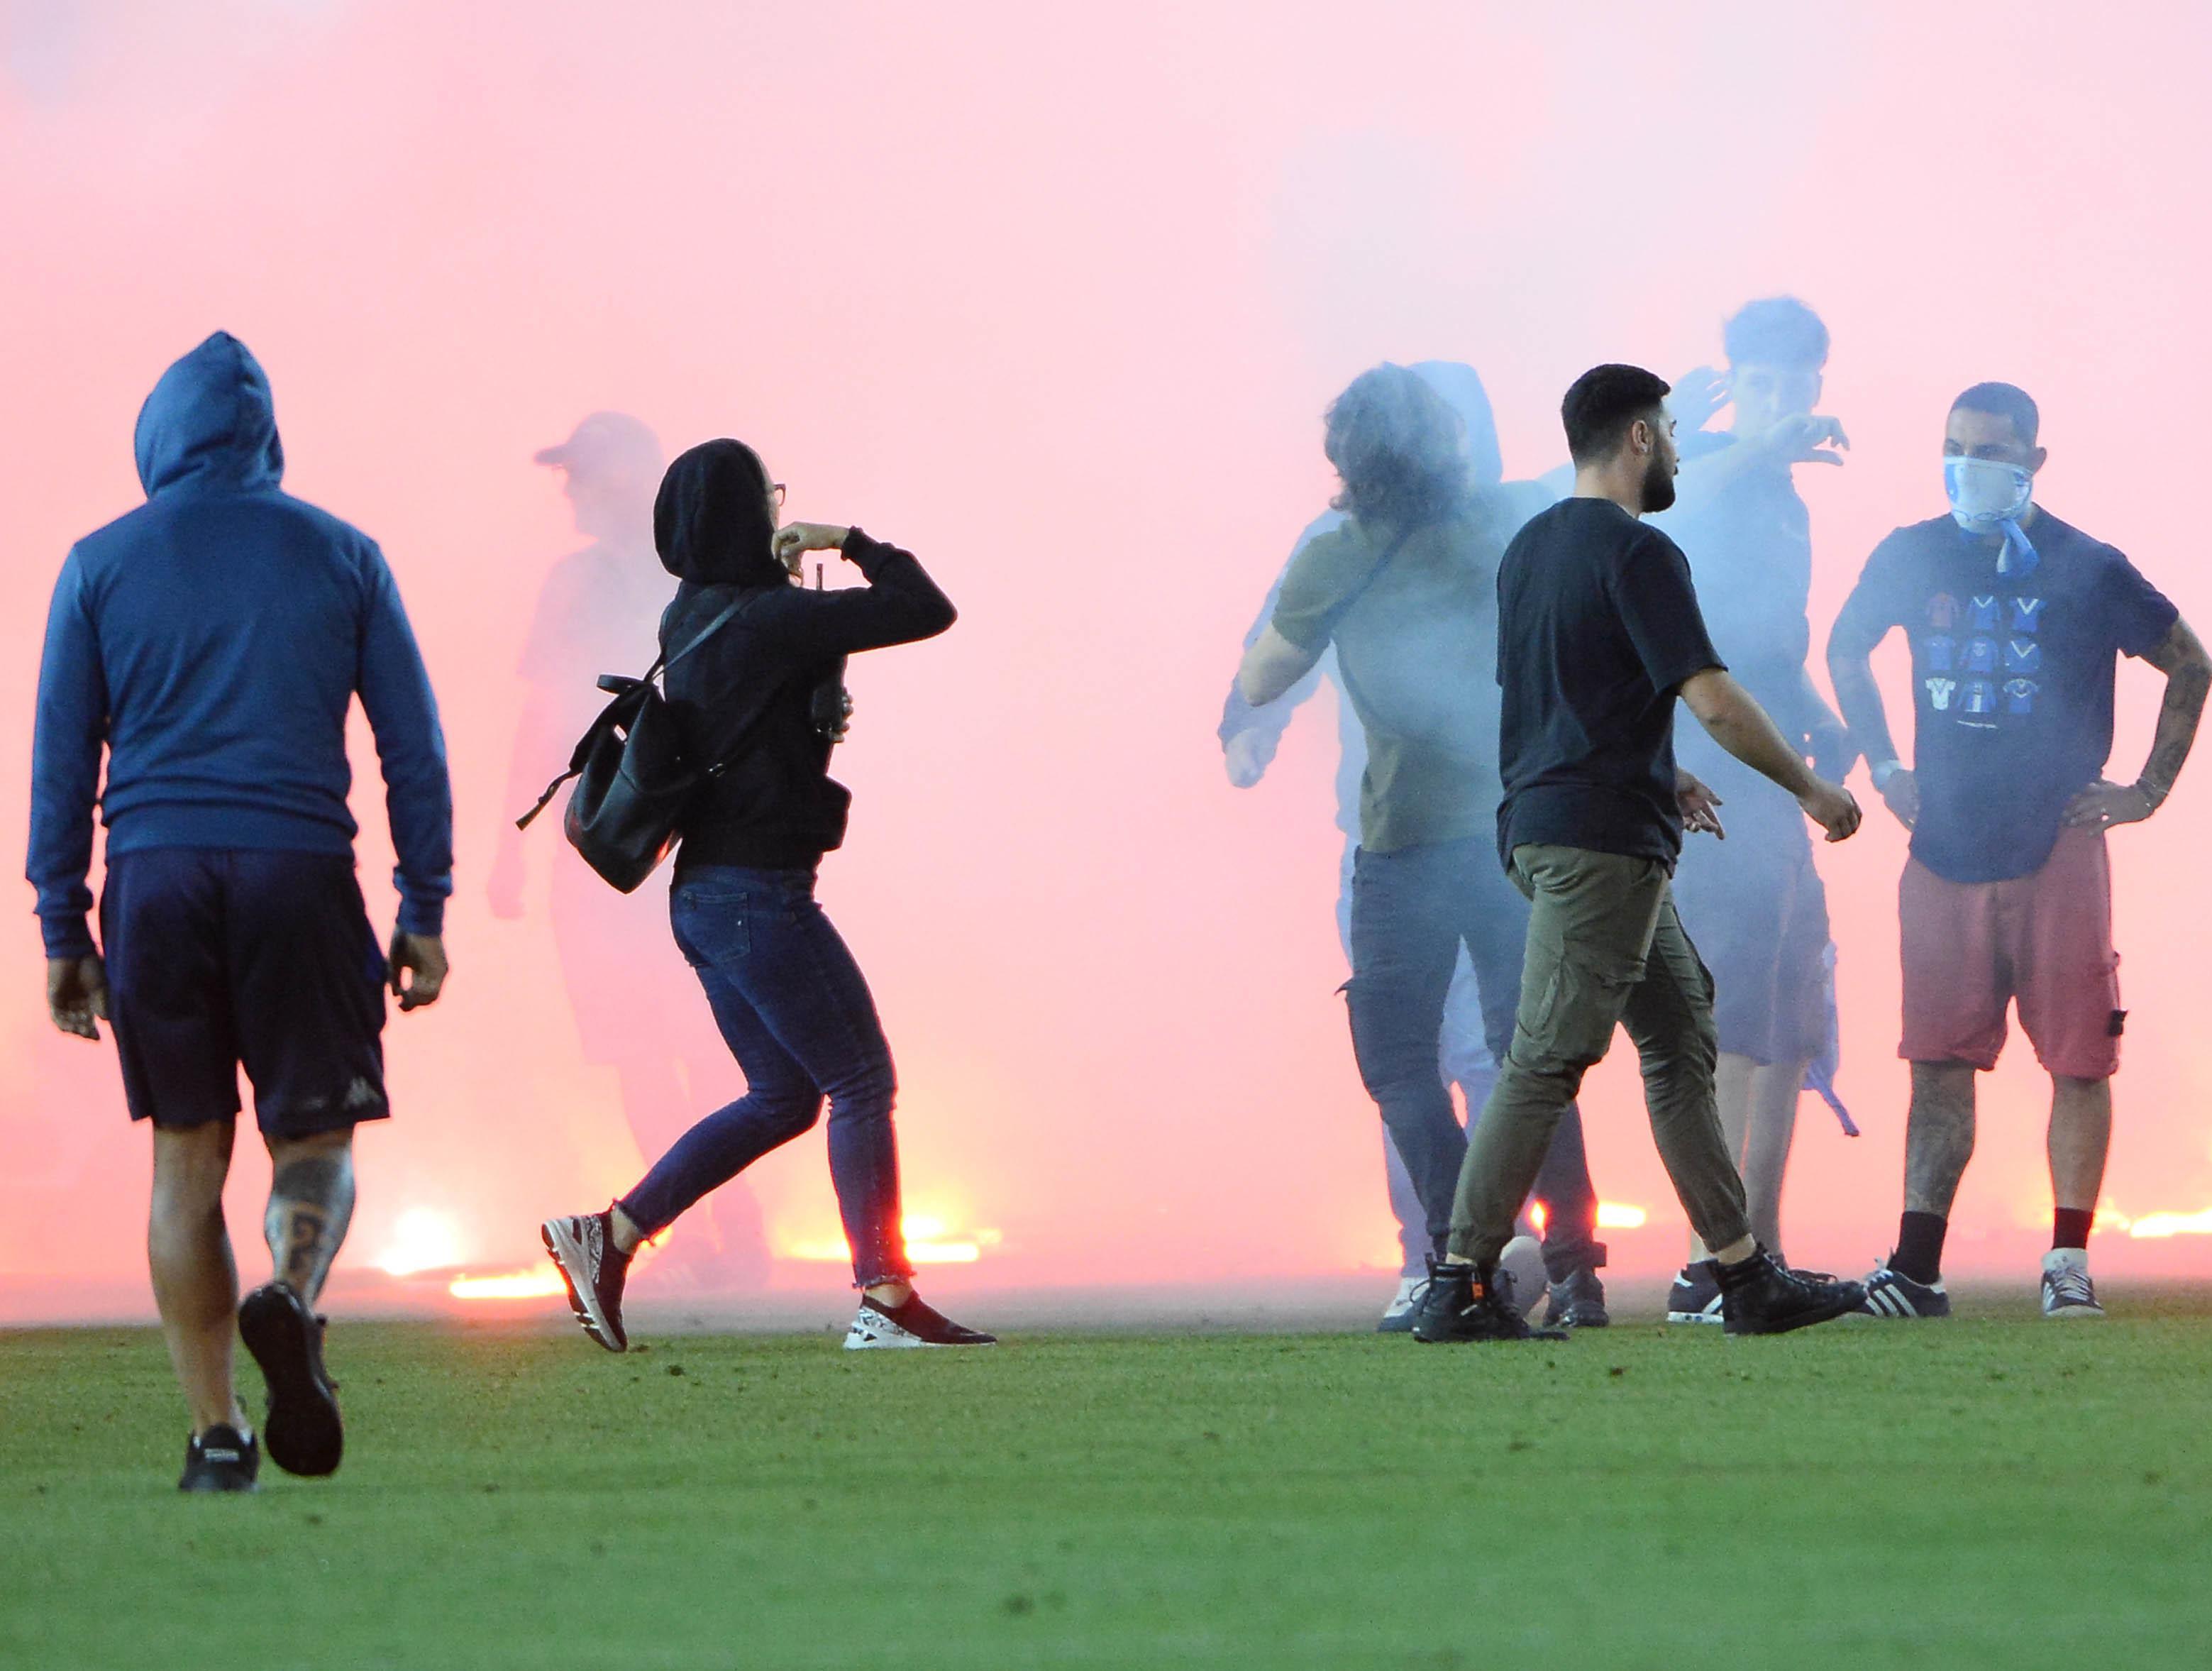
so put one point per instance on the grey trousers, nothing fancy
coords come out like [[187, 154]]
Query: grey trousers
[[1605, 949]]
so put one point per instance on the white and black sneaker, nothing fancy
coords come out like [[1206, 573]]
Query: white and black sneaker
[[2067, 1290], [916, 1323], [1891, 1293], [1398, 1316], [1695, 1297], [594, 1270], [222, 1458]]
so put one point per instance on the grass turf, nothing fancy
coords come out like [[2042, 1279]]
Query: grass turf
[[1993, 1492]]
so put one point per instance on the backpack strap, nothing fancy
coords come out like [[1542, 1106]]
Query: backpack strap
[[624, 688]]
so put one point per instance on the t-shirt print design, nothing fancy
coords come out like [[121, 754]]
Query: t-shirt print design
[[1974, 701]]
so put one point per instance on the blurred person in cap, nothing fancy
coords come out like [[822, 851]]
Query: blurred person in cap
[[763, 699], [211, 643], [599, 611]]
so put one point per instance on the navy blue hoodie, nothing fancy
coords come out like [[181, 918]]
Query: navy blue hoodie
[[214, 639]]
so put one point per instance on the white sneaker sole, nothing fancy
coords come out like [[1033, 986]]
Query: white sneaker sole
[[872, 1332], [1694, 1317], [2063, 1313], [574, 1264]]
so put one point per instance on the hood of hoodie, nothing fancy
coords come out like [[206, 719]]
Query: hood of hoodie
[[1463, 385], [210, 423], [711, 523]]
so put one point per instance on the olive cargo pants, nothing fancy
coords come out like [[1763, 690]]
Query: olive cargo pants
[[1605, 948]]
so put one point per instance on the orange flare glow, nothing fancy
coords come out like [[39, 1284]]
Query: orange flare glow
[[540, 1282], [929, 1241], [423, 1239], [1620, 1215], [2173, 1223]]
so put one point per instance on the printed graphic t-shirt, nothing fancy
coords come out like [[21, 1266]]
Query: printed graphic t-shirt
[[1415, 642], [1598, 626], [2012, 680]]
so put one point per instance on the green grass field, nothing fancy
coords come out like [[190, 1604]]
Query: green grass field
[[1995, 1491]]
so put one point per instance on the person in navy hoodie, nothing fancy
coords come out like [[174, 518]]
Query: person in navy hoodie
[[212, 641]]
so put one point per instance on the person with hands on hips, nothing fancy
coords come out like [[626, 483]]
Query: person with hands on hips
[[2016, 621]]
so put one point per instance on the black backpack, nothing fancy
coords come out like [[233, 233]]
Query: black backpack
[[633, 779]]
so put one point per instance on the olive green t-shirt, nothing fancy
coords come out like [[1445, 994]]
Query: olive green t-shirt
[[1417, 645]]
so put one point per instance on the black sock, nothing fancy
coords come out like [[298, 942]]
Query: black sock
[[1920, 1247], [2069, 1226]]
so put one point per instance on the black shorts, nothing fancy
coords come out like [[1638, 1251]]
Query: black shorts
[[1756, 909], [219, 959]]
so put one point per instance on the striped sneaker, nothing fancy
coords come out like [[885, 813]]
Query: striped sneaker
[[1695, 1297], [1891, 1293], [2067, 1290], [914, 1323]]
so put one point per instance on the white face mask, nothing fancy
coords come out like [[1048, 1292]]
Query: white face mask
[[1986, 494], [1989, 497]]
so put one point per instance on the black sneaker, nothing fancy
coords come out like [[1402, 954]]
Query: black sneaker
[[1577, 1303], [1762, 1296], [222, 1460], [1472, 1302], [593, 1269], [1891, 1293], [303, 1429], [1695, 1297], [916, 1323]]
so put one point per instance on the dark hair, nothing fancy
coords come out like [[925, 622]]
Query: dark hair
[[1396, 444], [1603, 402], [1780, 331], [2004, 400]]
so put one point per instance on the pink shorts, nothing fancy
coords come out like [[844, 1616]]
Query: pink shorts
[[2043, 941]]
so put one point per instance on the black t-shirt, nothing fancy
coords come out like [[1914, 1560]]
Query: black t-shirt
[[2012, 680], [1598, 626]]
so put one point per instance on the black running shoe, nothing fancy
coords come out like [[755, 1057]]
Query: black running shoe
[[1472, 1302], [1891, 1293], [222, 1460], [303, 1429], [593, 1269], [1761, 1297], [916, 1323], [1695, 1297], [1577, 1303]]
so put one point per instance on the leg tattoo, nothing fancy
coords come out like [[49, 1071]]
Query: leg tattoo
[[1939, 1135], [310, 1205]]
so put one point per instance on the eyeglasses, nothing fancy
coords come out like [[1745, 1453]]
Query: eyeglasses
[[777, 488]]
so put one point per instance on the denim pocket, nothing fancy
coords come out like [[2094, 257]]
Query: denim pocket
[[712, 926]]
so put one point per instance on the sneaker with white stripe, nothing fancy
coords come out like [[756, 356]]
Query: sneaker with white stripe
[[1891, 1293], [1398, 1316], [2067, 1290], [1695, 1297], [915, 1323]]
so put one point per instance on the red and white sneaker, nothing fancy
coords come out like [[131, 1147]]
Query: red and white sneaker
[[594, 1269]]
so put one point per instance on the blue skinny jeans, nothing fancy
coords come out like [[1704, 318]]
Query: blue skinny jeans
[[797, 1014]]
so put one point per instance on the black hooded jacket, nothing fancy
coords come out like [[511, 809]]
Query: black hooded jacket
[[759, 683]]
